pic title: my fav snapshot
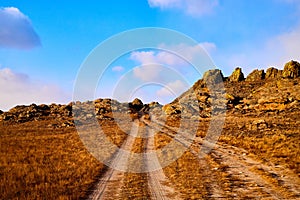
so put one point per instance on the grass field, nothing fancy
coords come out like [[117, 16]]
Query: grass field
[[38, 161]]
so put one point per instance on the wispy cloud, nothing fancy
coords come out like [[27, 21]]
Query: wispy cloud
[[117, 69], [18, 88], [275, 51], [284, 47], [16, 30], [194, 8], [150, 60], [173, 89]]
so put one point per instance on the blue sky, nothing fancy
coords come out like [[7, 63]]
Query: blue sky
[[43, 43]]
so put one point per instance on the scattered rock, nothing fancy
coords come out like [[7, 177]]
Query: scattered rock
[[230, 97], [237, 75], [257, 125], [256, 75], [291, 70], [67, 124]]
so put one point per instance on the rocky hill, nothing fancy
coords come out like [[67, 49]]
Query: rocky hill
[[271, 91]]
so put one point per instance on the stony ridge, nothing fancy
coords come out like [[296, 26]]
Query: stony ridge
[[272, 90], [239, 92], [64, 113]]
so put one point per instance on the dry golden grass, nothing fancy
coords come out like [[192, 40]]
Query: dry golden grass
[[279, 144], [38, 161]]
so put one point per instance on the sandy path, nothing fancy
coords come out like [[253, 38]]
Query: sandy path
[[110, 184], [253, 179], [157, 180], [208, 175], [248, 177]]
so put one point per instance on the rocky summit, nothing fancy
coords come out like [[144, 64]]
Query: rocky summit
[[280, 87]]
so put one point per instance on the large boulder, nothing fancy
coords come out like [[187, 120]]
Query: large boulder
[[272, 73], [237, 75], [256, 75], [136, 104], [213, 76], [291, 69]]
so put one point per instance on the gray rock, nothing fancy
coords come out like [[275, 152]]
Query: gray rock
[[213, 76]]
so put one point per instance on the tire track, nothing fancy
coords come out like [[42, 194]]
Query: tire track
[[248, 178], [213, 187], [252, 175], [156, 178], [109, 184]]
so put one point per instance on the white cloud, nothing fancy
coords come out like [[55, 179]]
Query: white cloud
[[162, 57], [148, 72], [18, 88], [16, 30], [276, 51], [173, 89], [209, 47], [284, 47], [151, 60], [189, 52], [164, 3], [194, 8], [118, 69]]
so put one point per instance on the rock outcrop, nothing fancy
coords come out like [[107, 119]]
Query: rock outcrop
[[271, 92], [36, 112], [256, 75], [272, 73], [259, 93], [136, 105], [237, 75], [213, 76], [291, 70]]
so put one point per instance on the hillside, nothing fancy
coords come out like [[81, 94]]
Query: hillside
[[257, 154]]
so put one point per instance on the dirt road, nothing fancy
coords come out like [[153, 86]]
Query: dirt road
[[227, 172]]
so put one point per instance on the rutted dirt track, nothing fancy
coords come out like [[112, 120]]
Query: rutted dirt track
[[227, 172], [112, 179], [111, 185]]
